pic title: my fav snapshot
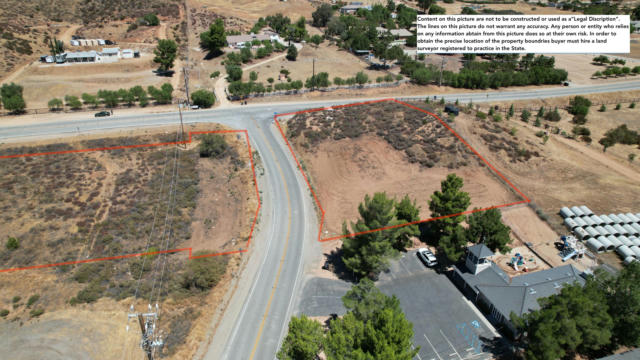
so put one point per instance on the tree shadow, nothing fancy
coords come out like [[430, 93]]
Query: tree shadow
[[333, 262], [213, 54], [164, 73], [499, 347]]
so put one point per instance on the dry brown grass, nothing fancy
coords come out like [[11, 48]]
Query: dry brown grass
[[122, 180]]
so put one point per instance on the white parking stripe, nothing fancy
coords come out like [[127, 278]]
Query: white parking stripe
[[434, 349], [454, 349]]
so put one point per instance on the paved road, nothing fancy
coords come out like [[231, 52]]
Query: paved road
[[446, 325], [256, 320]]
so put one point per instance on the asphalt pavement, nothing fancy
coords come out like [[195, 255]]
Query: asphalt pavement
[[446, 325], [257, 317]]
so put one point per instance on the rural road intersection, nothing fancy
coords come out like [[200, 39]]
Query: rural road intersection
[[270, 286]]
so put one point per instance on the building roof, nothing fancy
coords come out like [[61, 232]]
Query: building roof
[[627, 355], [522, 294], [519, 294], [81, 54], [480, 251], [234, 39], [110, 50]]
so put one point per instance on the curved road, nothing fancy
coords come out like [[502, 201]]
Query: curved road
[[257, 317]]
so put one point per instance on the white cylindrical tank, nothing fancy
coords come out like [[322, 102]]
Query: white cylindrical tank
[[624, 219], [636, 250], [615, 219], [588, 220], [595, 245], [611, 230], [630, 230], [636, 226], [586, 210], [566, 213], [606, 220], [629, 260], [576, 210], [591, 231], [614, 240], [625, 240], [580, 221], [602, 230], [634, 240], [570, 223], [620, 229], [608, 246], [596, 219], [632, 217], [625, 252], [581, 233]]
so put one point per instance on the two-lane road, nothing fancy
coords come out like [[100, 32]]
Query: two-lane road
[[258, 313]]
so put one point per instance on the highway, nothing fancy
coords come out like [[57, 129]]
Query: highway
[[256, 320]]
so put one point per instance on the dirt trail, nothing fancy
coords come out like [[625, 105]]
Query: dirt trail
[[221, 84]]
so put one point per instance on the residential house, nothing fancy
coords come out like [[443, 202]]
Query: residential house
[[239, 41], [492, 289], [353, 7]]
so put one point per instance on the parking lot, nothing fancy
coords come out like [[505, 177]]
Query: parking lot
[[446, 325]]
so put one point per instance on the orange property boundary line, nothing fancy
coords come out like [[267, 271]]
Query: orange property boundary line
[[322, 212], [191, 133]]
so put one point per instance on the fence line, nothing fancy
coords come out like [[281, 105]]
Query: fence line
[[327, 89], [69, 111]]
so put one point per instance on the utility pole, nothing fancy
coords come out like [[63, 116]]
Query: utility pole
[[181, 126], [313, 78], [186, 83], [441, 70], [150, 340]]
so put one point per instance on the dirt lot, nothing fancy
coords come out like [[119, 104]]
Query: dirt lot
[[43, 82], [251, 10], [103, 205], [344, 170], [566, 173], [329, 59]]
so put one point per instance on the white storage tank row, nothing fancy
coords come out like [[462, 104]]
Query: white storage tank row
[[585, 213]]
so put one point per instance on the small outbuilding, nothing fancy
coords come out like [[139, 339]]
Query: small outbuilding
[[602, 230], [636, 227], [608, 246], [588, 220], [629, 260], [634, 240], [620, 229], [636, 250], [581, 233], [630, 230], [592, 232], [634, 219], [611, 230]]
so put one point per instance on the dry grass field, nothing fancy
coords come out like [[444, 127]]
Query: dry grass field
[[567, 172], [355, 151], [98, 204]]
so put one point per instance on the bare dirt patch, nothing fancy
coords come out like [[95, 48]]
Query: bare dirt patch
[[367, 149], [103, 203]]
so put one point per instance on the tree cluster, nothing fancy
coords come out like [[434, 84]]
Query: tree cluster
[[589, 321], [165, 54], [501, 70], [620, 135], [374, 327], [214, 39], [203, 98], [369, 252], [12, 99]]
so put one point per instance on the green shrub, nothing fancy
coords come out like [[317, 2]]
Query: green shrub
[[213, 145], [32, 299], [632, 105], [540, 133], [618, 106], [90, 294], [203, 98], [480, 115], [55, 104], [36, 312], [13, 243], [603, 108], [204, 273], [16, 299], [4, 313], [214, 74]]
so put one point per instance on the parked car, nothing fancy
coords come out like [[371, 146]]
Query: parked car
[[102, 113], [427, 257]]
